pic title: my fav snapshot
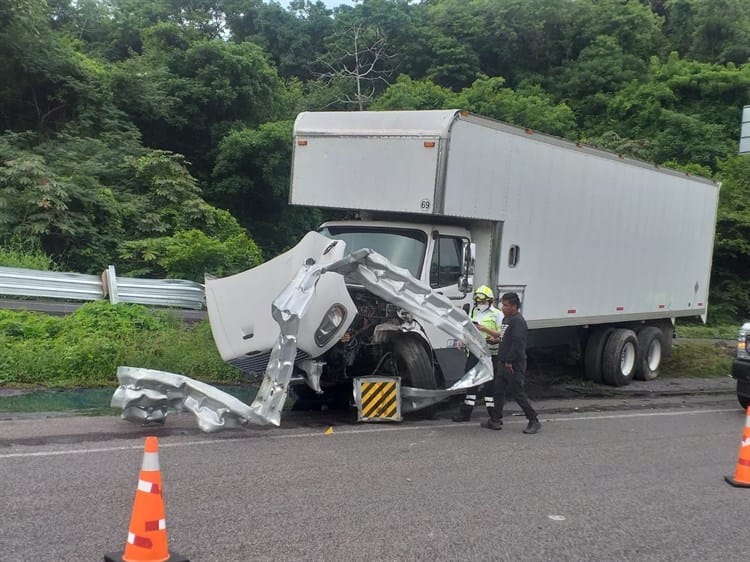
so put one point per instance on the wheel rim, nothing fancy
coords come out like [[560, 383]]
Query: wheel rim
[[627, 359], [654, 355]]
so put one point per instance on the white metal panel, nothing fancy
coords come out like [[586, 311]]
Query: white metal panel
[[239, 306], [365, 173], [601, 238], [433, 123], [482, 166]]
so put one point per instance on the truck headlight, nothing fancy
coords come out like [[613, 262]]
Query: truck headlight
[[331, 323]]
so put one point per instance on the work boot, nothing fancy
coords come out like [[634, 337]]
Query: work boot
[[461, 417], [464, 414], [533, 427], [493, 424]]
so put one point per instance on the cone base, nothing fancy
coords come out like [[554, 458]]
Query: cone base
[[736, 483], [117, 557]]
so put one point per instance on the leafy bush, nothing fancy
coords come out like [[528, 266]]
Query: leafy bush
[[18, 253], [85, 348], [21, 324]]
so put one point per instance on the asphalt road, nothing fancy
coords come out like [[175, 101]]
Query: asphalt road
[[606, 480]]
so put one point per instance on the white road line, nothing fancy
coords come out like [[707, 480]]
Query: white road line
[[379, 429]]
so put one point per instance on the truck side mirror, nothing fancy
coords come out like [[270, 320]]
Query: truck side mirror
[[469, 254]]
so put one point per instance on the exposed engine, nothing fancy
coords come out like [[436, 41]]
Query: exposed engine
[[360, 352]]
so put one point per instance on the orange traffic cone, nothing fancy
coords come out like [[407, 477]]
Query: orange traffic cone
[[742, 472], [147, 534]]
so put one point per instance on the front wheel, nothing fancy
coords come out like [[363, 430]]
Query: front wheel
[[413, 363], [744, 401]]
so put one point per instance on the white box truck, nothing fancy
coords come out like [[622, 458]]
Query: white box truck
[[604, 251]]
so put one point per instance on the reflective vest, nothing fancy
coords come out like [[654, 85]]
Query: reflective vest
[[488, 320]]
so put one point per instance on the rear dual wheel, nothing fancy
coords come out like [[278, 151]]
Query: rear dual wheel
[[619, 358], [650, 353], [616, 356], [594, 352]]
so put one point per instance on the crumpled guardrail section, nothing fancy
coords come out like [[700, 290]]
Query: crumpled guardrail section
[[149, 396]]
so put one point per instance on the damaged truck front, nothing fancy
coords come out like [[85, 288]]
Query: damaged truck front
[[316, 318]]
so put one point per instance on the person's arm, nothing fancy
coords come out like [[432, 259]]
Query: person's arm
[[492, 333], [489, 331]]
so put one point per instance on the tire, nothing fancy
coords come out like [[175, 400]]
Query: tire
[[413, 364], [744, 401], [650, 353], [620, 357], [593, 353]]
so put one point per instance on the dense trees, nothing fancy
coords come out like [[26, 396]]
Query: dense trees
[[156, 134]]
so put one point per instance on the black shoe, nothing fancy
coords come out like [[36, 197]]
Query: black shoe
[[461, 418], [492, 424], [533, 427]]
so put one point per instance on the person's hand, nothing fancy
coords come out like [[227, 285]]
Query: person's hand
[[509, 367]]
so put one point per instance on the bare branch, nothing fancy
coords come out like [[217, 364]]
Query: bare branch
[[364, 63]]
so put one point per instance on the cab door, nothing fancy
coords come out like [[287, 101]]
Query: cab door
[[445, 269]]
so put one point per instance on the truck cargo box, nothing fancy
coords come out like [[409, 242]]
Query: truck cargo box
[[585, 235]]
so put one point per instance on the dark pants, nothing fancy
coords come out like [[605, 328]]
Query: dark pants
[[488, 390], [513, 384]]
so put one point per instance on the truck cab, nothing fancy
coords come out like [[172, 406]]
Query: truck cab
[[434, 254]]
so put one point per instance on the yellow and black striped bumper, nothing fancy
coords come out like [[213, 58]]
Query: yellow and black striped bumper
[[378, 398]]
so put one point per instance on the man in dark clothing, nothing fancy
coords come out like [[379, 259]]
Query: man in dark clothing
[[511, 363]]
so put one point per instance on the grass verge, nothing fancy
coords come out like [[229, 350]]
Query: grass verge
[[699, 358]]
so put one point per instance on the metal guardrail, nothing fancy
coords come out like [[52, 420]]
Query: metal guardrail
[[51, 284], [175, 293]]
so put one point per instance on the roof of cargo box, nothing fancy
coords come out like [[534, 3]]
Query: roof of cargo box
[[400, 123], [437, 123]]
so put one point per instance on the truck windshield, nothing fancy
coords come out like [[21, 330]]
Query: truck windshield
[[403, 247]]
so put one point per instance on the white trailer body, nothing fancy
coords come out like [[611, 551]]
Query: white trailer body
[[585, 236]]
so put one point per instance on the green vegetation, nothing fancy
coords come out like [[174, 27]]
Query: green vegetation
[[696, 330], [85, 348], [156, 135], [699, 358], [23, 254]]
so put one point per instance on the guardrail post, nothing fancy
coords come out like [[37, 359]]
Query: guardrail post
[[112, 285]]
